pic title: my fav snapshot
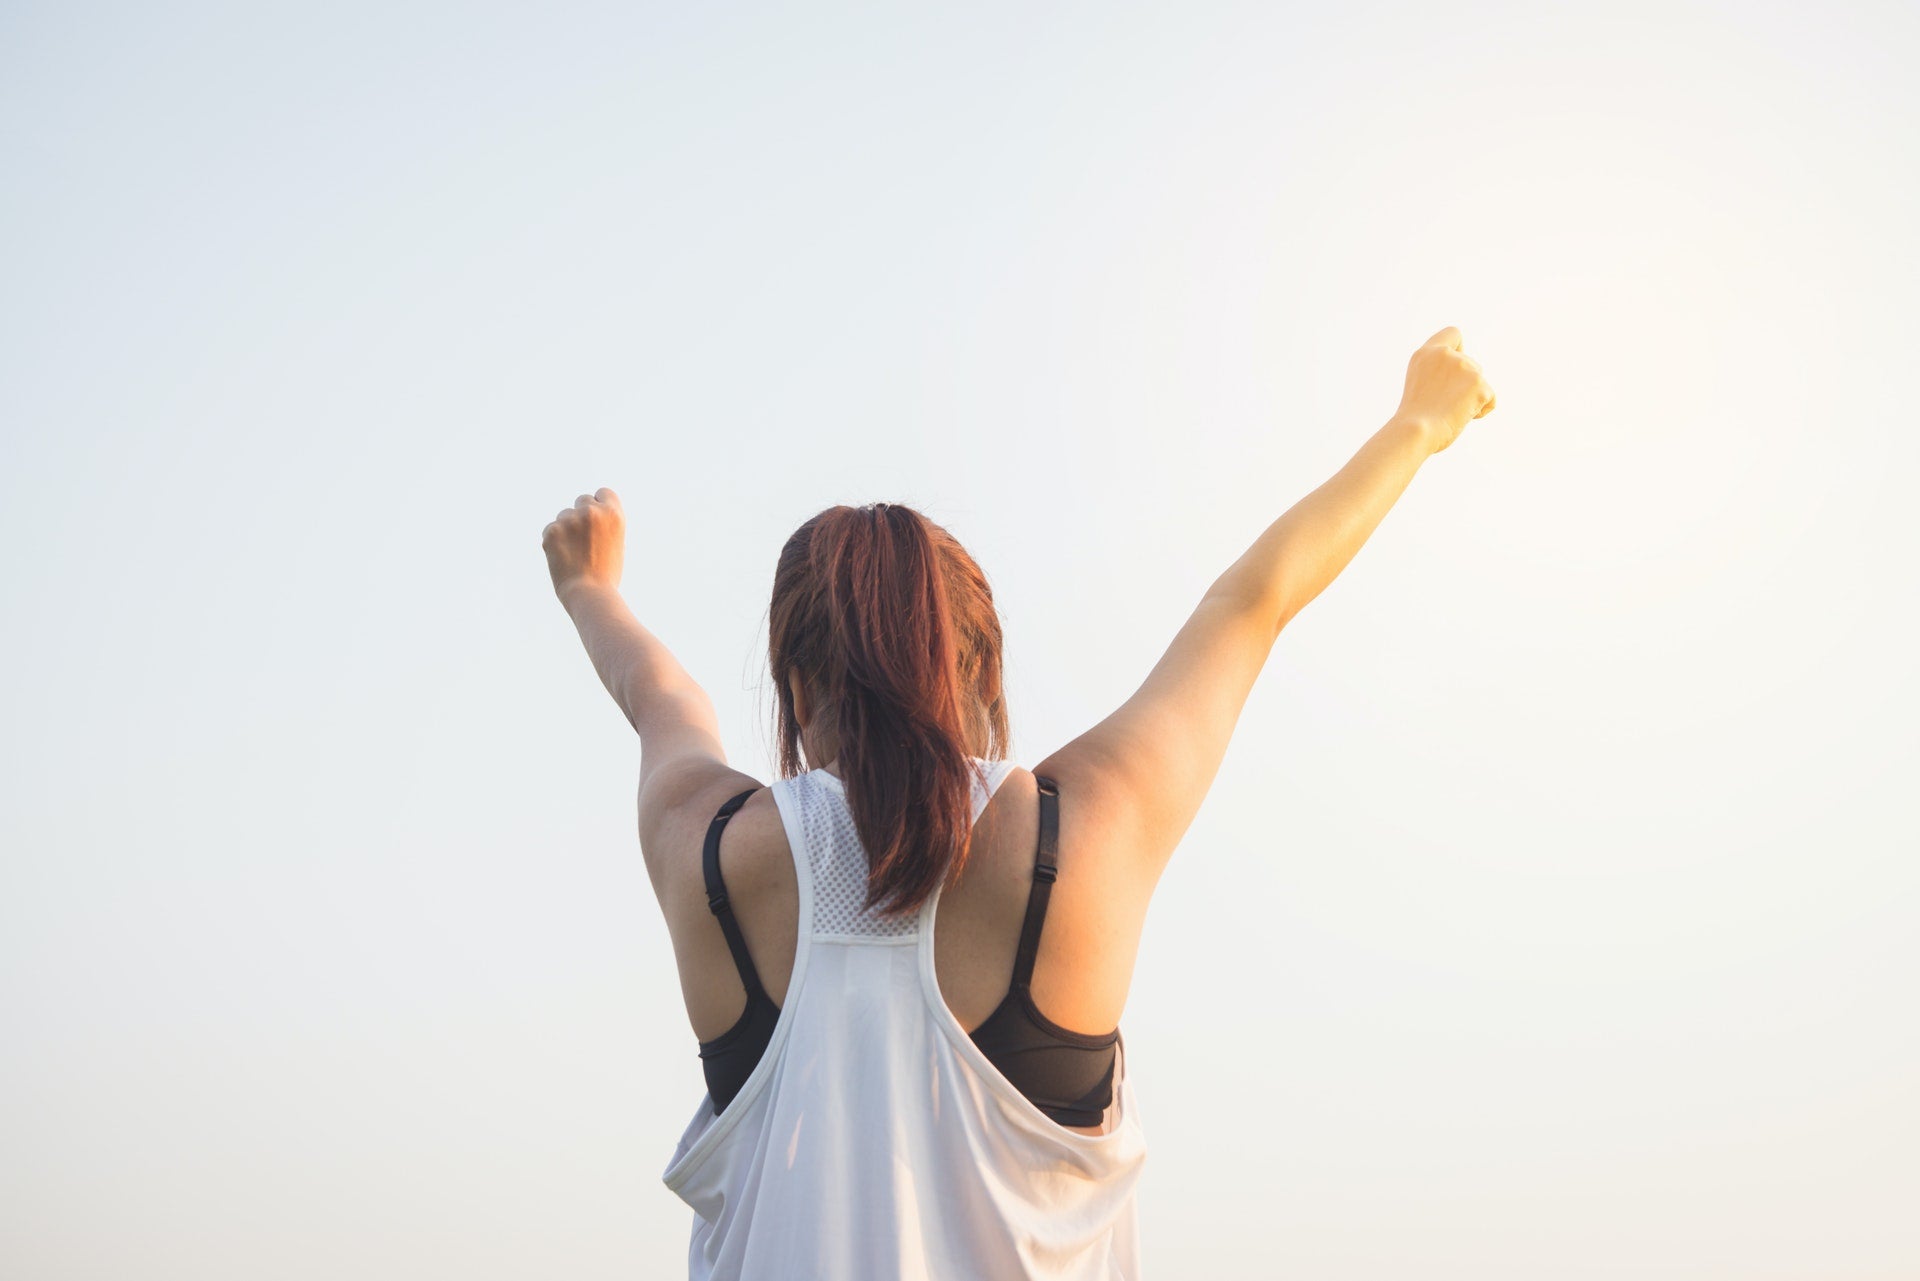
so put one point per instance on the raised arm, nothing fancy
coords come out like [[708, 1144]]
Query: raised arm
[[586, 549], [1140, 775], [1304, 550]]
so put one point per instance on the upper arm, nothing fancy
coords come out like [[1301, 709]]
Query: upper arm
[[1144, 770], [678, 727], [684, 777]]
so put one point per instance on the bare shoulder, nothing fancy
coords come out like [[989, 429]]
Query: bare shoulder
[[1098, 903], [758, 873], [1102, 792], [675, 812], [1103, 836]]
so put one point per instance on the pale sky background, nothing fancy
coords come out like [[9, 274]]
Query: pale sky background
[[1556, 911]]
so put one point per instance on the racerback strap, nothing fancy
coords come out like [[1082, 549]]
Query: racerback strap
[[1045, 867], [717, 896]]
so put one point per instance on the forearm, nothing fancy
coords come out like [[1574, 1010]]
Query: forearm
[[1304, 550], [632, 662]]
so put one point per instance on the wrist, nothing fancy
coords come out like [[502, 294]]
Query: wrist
[[1414, 429], [577, 590]]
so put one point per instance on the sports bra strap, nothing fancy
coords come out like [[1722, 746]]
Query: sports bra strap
[[1045, 867], [717, 896]]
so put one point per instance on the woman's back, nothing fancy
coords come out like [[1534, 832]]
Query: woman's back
[[873, 1137], [1087, 946]]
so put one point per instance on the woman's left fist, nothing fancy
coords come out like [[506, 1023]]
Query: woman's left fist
[[586, 543]]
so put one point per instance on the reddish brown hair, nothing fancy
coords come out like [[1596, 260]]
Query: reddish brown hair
[[892, 630]]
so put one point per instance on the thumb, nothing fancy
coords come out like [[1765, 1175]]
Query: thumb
[[1448, 337]]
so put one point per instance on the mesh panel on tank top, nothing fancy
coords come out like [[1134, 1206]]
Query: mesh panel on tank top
[[839, 866], [839, 861]]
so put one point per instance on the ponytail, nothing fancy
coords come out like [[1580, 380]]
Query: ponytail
[[890, 626]]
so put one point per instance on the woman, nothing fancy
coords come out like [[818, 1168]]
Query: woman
[[886, 1098]]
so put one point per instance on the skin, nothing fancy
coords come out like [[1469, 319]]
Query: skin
[[1130, 786], [814, 741]]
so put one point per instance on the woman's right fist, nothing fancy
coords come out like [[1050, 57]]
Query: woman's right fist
[[1444, 389]]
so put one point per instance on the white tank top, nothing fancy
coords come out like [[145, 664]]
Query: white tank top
[[874, 1140]]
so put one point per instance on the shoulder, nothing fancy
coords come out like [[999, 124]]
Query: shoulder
[[1010, 825], [677, 806], [1102, 818]]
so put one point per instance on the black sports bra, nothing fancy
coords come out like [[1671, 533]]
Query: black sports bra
[[1067, 1075]]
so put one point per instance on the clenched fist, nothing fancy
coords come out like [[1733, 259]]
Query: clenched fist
[[1445, 389], [586, 543]]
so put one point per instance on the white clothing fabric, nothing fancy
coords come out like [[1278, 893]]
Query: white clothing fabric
[[874, 1140]]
